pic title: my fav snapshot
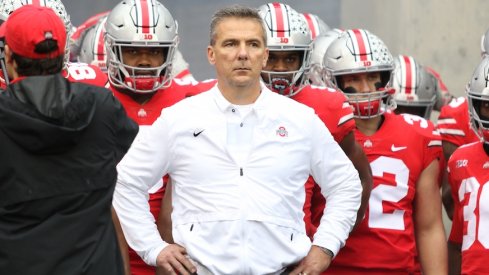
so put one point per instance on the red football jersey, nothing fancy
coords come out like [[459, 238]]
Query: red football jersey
[[468, 174], [85, 73], [334, 110], [453, 123], [428, 128], [384, 242], [78, 72], [145, 115]]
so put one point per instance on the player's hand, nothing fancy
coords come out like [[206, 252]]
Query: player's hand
[[314, 263], [172, 260]]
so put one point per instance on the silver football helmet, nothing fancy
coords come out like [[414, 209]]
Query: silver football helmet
[[8, 6], [92, 48], [316, 25], [485, 43], [319, 47], [415, 88], [359, 51], [478, 98], [140, 23], [79, 33], [286, 31]]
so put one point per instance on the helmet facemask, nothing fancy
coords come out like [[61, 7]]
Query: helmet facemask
[[288, 83], [371, 104], [287, 31], [139, 79], [357, 51], [479, 118], [478, 99], [141, 26]]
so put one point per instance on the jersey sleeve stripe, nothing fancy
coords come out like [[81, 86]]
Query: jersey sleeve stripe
[[345, 119], [446, 121], [452, 132], [434, 143]]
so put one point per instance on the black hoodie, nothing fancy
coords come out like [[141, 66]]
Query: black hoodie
[[60, 143]]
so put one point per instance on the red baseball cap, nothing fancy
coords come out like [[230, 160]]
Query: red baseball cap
[[29, 25]]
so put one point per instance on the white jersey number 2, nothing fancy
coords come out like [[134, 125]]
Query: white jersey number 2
[[383, 192], [477, 227]]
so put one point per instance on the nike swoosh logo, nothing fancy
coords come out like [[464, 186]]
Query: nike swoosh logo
[[395, 149], [196, 134]]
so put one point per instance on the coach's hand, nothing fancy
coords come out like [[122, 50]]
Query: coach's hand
[[172, 260], [314, 263]]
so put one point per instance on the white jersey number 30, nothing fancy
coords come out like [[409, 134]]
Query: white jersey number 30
[[477, 227]]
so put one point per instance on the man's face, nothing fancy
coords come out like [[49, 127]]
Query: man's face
[[484, 110], [361, 82], [360, 89], [239, 52], [283, 61], [281, 68], [143, 57]]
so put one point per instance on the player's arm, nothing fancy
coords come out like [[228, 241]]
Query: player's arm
[[124, 248], [356, 155], [448, 149], [429, 230], [454, 258], [164, 222], [455, 239]]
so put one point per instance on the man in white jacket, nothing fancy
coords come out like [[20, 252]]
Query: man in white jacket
[[238, 156]]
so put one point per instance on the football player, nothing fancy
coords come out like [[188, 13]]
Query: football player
[[290, 44], [404, 210], [468, 175], [141, 40]]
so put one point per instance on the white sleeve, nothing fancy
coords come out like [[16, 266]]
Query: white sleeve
[[143, 165], [340, 185]]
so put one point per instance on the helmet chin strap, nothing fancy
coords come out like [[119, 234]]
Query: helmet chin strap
[[282, 85], [143, 83]]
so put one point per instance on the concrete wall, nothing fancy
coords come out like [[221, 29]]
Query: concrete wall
[[443, 34]]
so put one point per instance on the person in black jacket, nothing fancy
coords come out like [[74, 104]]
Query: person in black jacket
[[60, 143]]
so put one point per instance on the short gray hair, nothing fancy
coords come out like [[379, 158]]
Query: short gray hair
[[235, 11]]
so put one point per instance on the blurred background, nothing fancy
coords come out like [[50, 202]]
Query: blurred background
[[442, 34]]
